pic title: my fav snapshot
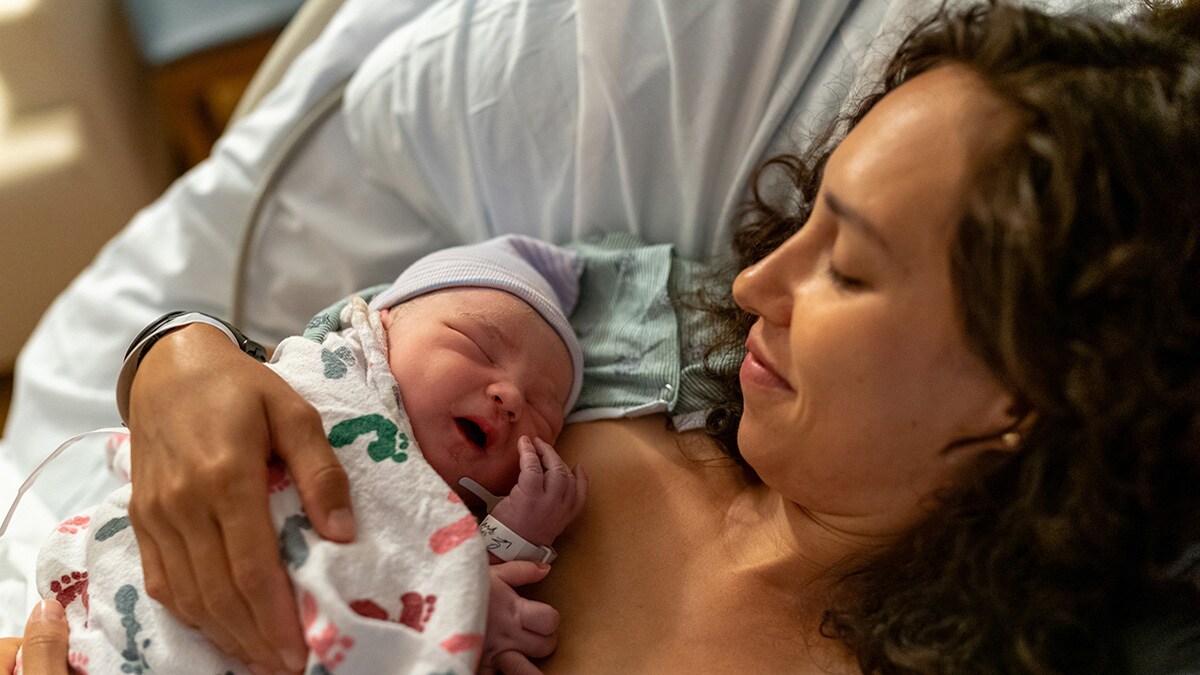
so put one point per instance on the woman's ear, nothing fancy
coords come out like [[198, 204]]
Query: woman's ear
[[1013, 417], [1006, 421]]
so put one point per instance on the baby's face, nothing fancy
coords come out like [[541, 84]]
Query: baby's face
[[477, 369]]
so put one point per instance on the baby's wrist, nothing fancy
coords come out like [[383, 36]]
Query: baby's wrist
[[506, 543], [529, 524]]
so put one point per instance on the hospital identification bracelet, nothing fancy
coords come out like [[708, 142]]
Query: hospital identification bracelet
[[508, 545], [155, 331]]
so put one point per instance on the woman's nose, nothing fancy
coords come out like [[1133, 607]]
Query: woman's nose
[[765, 288], [508, 400]]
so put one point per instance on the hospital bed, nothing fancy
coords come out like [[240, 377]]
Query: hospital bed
[[378, 130]]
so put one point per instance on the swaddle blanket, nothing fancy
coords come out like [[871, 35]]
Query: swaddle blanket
[[408, 595]]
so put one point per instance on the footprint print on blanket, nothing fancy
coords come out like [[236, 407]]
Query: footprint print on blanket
[[74, 524], [126, 604], [337, 363], [71, 587], [415, 610], [111, 528], [327, 643], [389, 443], [293, 549]]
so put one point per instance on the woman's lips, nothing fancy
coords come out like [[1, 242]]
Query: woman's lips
[[756, 372]]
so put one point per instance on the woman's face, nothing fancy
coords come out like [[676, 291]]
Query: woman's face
[[859, 374]]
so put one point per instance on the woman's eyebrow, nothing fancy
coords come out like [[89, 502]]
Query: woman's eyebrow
[[855, 219]]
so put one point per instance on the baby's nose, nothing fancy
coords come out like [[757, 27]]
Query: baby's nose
[[508, 400]]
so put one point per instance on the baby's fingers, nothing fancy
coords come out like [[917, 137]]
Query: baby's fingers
[[530, 478], [513, 662], [558, 478], [581, 488]]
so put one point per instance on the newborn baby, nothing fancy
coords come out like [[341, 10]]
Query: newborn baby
[[446, 391]]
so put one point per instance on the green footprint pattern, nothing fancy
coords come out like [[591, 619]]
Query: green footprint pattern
[[293, 549], [388, 443], [126, 603], [112, 527], [337, 362]]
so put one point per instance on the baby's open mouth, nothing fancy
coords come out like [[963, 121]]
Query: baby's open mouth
[[474, 433]]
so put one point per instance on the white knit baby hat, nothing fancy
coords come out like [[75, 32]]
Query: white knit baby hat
[[543, 275]]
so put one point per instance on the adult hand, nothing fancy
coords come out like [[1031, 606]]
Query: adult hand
[[204, 421], [547, 497], [44, 648], [517, 628]]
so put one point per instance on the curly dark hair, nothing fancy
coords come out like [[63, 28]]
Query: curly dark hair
[[1078, 282]]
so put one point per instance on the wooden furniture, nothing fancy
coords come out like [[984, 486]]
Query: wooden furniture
[[198, 93], [201, 55]]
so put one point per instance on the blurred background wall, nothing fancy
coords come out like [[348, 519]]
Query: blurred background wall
[[102, 104], [79, 153]]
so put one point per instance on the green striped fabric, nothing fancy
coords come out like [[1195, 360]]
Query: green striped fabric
[[643, 339]]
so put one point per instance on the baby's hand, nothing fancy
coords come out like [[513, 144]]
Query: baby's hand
[[518, 629], [548, 494]]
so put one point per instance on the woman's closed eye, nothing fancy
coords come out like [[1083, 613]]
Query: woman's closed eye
[[841, 281]]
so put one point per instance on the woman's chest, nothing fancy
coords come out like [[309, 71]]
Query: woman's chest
[[646, 582]]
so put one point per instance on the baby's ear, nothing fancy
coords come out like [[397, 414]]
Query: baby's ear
[[385, 317]]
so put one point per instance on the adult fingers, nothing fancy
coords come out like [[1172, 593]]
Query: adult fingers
[[44, 647], [8, 654], [273, 636], [162, 549], [299, 439], [512, 662], [153, 572], [520, 572], [181, 592]]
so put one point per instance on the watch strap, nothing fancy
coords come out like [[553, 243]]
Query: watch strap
[[152, 333], [508, 545]]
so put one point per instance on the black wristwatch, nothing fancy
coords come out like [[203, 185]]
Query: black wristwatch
[[157, 328], [152, 333]]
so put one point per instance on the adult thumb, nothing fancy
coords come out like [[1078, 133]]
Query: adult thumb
[[520, 572], [299, 439], [44, 647]]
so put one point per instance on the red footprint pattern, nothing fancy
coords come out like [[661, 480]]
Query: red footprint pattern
[[74, 524], [451, 536], [69, 587], [462, 642], [417, 610], [78, 662], [369, 609], [327, 642]]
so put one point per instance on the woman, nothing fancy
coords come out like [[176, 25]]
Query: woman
[[969, 400]]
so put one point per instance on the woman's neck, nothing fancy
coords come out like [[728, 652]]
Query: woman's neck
[[781, 543]]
